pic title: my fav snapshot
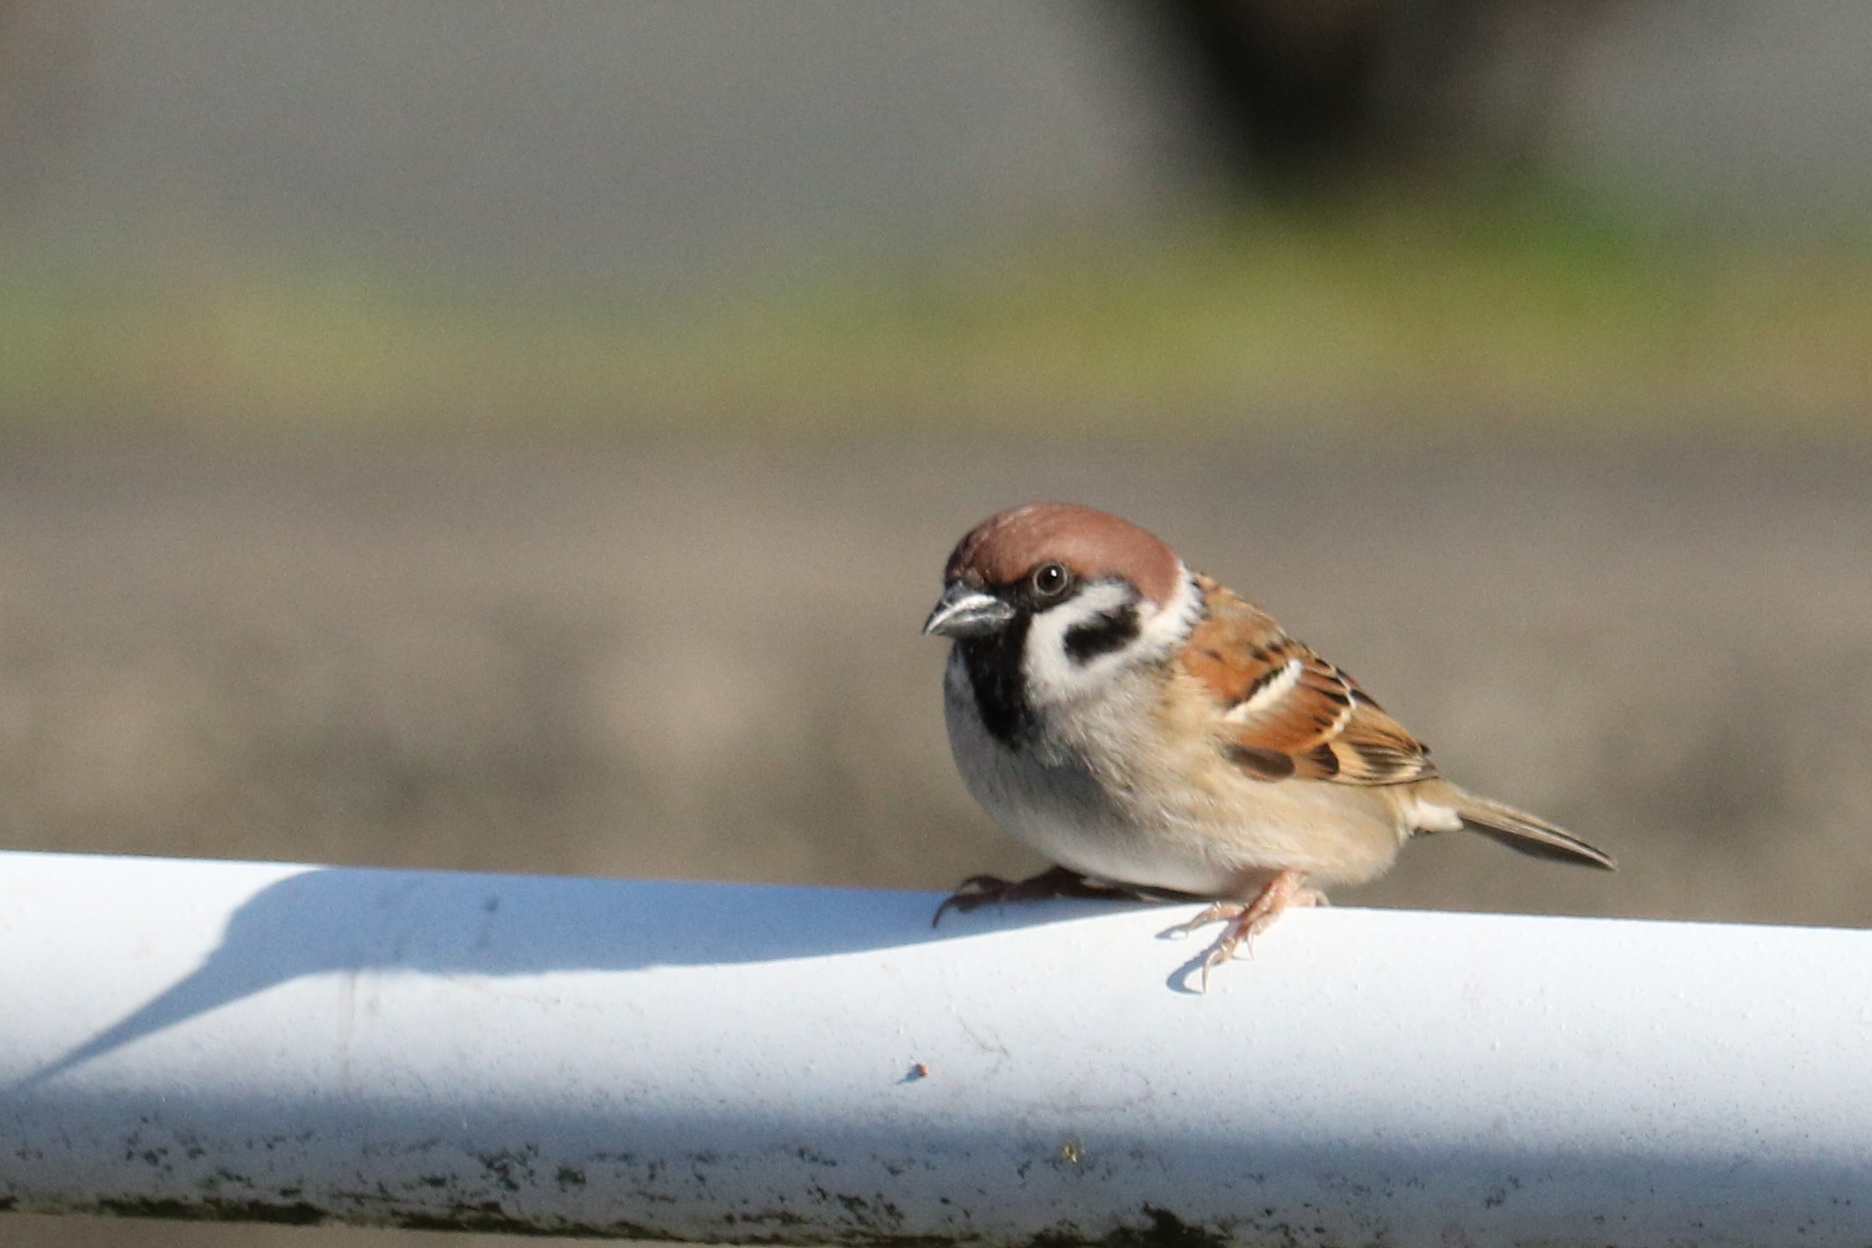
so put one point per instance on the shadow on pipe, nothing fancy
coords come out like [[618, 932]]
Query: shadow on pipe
[[437, 923]]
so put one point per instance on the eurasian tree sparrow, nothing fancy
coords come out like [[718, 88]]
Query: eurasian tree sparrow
[[1151, 732]]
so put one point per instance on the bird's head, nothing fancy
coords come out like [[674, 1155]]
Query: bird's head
[[1064, 596]]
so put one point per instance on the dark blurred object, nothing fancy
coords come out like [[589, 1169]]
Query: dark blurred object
[[1311, 94]]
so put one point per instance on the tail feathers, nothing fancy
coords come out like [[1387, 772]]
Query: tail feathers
[[1521, 831]]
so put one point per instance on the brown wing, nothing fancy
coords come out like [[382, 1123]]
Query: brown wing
[[1284, 711]]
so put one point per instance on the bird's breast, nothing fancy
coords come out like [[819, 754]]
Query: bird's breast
[[1104, 797]]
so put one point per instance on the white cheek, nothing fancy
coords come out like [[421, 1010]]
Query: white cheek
[[1169, 624], [1051, 675]]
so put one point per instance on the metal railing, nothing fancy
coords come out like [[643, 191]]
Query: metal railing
[[725, 1063]]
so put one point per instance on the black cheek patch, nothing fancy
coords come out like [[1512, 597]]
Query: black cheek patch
[[1109, 631]]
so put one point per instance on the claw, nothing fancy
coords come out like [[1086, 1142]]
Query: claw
[[981, 890], [1249, 919], [985, 888], [1215, 910]]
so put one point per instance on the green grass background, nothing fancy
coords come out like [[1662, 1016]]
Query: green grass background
[[1397, 312]]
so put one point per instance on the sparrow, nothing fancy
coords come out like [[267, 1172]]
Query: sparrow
[[1157, 736]]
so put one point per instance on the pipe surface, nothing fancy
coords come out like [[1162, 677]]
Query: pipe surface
[[726, 1063]]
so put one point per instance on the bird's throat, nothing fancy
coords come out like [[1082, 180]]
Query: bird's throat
[[994, 671]]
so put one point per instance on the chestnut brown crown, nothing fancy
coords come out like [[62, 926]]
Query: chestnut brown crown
[[1093, 545]]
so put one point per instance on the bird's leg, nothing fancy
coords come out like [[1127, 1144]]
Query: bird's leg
[[1248, 919], [982, 890]]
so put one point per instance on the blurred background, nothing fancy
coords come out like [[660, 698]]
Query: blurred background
[[526, 437]]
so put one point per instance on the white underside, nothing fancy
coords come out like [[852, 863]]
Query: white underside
[[1102, 798]]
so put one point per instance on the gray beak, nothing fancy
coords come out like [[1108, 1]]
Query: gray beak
[[965, 612]]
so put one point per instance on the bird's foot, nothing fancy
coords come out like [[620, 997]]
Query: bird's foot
[[983, 890], [1248, 919]]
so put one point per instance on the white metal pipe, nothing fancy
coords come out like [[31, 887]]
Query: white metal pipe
[[727, 1063]]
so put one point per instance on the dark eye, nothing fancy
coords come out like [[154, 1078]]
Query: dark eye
[[1050, 580]]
